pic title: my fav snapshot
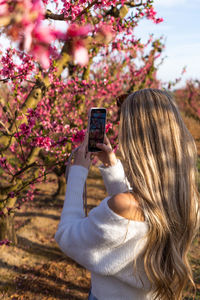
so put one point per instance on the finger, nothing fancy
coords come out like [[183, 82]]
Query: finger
[[88, 156], [106, 140], [83, 146], [75, 150], [106, 148], [85, 141]]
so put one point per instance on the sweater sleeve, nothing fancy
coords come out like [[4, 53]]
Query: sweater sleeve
[[90, 240], [115, 179]]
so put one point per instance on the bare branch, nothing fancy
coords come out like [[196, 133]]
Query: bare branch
[[50, 15]]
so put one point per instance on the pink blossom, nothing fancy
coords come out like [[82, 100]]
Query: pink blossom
[[2, 161], [43, 142], [108, 126], [78, 136], [37, 40], [31, 122], [28, 30], [44, 34], [80, 55], [107, 33], [32, 113], [41, 53], [75, 34], [24, 129], [78, 31], [3, 8], [33, 11], [5, 242], [151, 14], [159, 20], [38, 6], [11, 194]]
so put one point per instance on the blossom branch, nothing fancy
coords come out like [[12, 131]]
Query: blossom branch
[[50, 15], [11, 78]]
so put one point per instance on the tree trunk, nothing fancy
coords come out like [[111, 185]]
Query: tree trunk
[[61, 186], [7, 228]]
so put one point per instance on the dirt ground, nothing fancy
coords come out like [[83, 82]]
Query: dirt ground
[[36, 269]]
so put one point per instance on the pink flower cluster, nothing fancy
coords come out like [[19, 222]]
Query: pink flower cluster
[[2, 161], [29, 196], [108, 126], [76, 34], [16, 64], [25, 26], [5, 242], [43, 142], [151, 14], [78, 136], [3, 7]]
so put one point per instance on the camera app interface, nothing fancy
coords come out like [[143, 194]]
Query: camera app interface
[[97, 127]]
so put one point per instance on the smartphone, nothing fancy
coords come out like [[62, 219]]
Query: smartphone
[[96, 127]]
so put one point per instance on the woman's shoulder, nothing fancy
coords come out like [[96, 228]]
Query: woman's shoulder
[[127, 206]]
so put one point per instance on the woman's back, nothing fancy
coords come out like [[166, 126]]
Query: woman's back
[[122, 281]]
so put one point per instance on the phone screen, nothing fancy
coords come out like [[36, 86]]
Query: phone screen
[[96, 128]]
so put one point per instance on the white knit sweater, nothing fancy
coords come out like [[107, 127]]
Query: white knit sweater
[[97, 241]]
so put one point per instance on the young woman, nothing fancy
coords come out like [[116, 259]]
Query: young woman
[[135, 243]]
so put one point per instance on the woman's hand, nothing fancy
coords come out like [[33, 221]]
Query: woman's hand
[[81, 156], [107, 156]]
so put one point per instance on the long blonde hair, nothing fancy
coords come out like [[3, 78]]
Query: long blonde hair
[[160, 157]]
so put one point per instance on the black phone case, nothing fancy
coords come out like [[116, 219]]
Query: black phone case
[[96, 131]]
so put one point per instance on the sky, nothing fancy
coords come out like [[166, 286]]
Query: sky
[[181, 32]]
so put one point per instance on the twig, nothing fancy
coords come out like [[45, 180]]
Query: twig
[[4, 126], [24, 169], [32, 181], [30, 81]]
